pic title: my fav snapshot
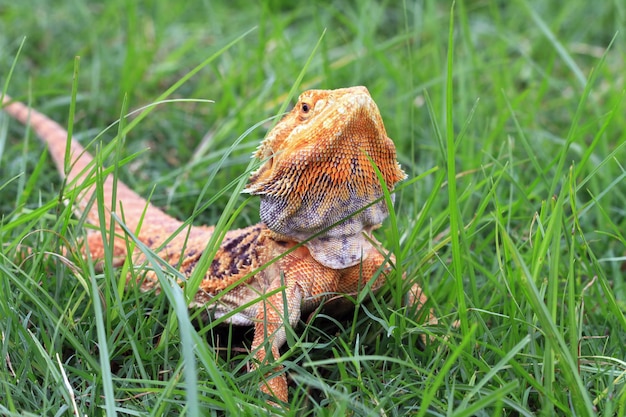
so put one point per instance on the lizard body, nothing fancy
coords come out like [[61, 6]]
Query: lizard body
[[317, 171]]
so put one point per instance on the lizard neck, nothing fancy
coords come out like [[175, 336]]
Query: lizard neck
[[337, 247]]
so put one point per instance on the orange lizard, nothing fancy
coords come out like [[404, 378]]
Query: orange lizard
[[316, 185]]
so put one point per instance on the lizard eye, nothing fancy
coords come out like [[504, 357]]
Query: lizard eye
[[305, 110]]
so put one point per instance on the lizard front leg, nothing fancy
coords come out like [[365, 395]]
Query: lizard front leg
[[269, 331], [302, 284]]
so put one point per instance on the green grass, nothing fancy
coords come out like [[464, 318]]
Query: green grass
[[509, 121]]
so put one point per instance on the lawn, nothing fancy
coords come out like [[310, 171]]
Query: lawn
[[509, 121]]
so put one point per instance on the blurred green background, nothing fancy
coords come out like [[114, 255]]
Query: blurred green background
[[538, 131]]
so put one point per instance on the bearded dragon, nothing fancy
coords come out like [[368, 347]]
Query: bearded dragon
[[320, 201]]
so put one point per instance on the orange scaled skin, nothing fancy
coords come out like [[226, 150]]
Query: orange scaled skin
[[316, 174]]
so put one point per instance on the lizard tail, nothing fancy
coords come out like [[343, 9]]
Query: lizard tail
[[52, 134], [80, 168]]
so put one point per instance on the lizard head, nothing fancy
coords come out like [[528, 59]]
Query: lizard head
[[317, 172]]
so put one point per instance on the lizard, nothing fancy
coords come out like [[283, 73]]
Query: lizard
[[321, 198]]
